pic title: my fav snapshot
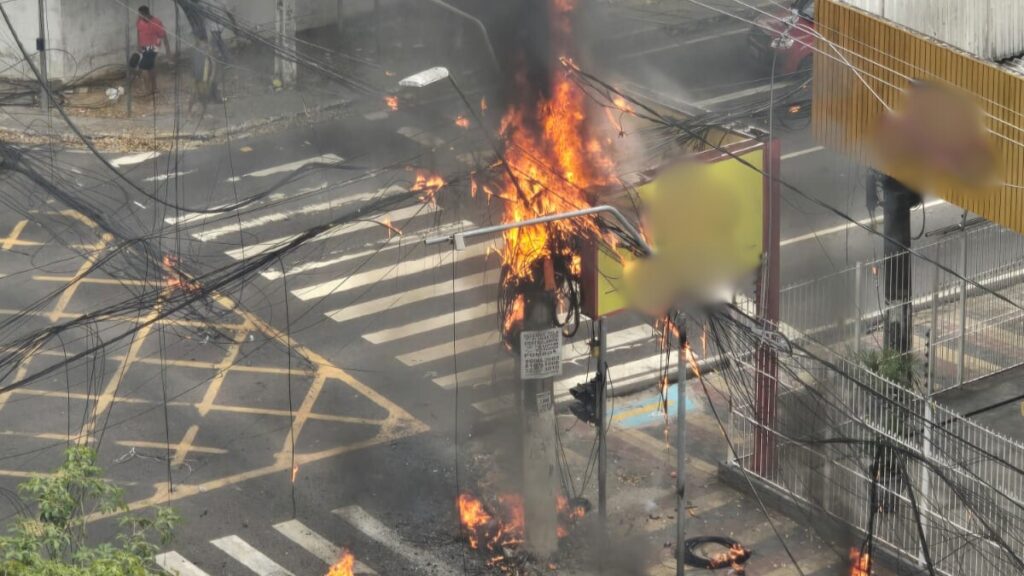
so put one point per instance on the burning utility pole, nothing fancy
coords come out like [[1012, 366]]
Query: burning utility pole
[[539, 359]]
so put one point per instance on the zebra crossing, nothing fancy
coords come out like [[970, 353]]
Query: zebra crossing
[[430, 308], [290, 534]]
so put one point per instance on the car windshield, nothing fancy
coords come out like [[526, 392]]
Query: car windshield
[[805, 8]]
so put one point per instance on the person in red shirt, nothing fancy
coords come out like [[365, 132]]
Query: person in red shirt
[[151, 36]]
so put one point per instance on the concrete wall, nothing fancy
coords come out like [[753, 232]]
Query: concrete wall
[[93, 31], [989, 29]]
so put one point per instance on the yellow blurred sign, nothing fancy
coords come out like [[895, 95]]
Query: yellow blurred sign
[[705, 221]]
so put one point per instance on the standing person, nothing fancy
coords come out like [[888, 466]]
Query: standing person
[[151, 34]]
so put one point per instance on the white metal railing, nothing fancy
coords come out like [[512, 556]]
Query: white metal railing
[[968, 332], [830, 416]]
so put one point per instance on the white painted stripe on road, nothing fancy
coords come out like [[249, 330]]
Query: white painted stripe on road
[[177, 565], [384, 303], [503, 403], [170, 176], [844, 227], [389, 271], [391, 244], [446, 349], [402, 214], [289, 167], [420, 137], [475, 376], [193, 216], [440, 321], [425, 561], [803, 152], [250, 557], [741, 94], [316, 544], [134, 159], [690, 42], [305, 210]]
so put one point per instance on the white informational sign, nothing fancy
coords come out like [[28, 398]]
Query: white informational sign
[[540, 353]]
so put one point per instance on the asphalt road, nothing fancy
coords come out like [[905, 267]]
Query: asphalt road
[[382, 311]]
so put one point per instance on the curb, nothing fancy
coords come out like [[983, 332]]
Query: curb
[[196, 136]]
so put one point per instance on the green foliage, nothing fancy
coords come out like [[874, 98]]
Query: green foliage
[[890, 364], [56, 543]]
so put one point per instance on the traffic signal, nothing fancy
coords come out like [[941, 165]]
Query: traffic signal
[[585, 407]]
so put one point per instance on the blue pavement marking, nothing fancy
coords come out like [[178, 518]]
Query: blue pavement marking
[[647, 412]]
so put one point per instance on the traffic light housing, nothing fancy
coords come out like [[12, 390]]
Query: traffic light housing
[[586, 406]]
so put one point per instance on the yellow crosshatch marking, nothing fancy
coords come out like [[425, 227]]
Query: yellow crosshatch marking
[[207, 401]]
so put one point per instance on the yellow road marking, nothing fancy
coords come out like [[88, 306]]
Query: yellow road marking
[[222, 371], [302, 414], [13, 239], [106, 399], [69, 292], [168, 321], [163, 446], [185, 445]]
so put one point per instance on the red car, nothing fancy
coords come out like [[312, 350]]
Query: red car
[[788, 34]]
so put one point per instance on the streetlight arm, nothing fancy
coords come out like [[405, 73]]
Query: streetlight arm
[[479, 24], [460, 239]]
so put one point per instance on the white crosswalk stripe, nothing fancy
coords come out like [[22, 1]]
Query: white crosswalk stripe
[[289, 167], [250, 557], [176, 565], [316, 544], [426, 561], [384, 303]]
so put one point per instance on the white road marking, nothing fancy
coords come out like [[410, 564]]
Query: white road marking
[[170, 176], [475, 376], [421, 137], [134, 159], [397, 218], [193, 216], [250, 557], [741, 94], [690, 42], [177, 565], [384, 303], [425, 561], [378, 115], [388, 271], [289, 167], [393, 243], [440, 321], [305, 210], [446, 349], [503, 403], [316, 544], [803, 152], [844, 227]]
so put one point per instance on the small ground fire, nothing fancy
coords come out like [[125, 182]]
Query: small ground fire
[[345, 566], [505, 529]]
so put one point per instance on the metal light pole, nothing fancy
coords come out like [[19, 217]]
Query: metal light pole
[[127, 60], [602, 420], [681, 453], [44, 98]]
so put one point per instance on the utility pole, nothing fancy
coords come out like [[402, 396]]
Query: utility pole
[[897, 203], [130, 76], [539, 338], [766, 383], [285, 67], [44, 98], [681, 453]]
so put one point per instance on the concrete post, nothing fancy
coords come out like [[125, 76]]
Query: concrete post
[[681, 455], [538, 427], [602, 421], [285, 67], [341, 15], [899, 316]]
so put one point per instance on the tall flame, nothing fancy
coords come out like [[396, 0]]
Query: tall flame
[[553, 162]]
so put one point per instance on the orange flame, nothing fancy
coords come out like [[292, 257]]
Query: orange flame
[[428, 184], [859, 563], [462, 122], [483, 104], [515, 315], [295, 472], [392, 102], [553, 162], [344, 566], [494, 532]]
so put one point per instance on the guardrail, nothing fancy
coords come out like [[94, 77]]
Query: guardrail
[[967, 333]]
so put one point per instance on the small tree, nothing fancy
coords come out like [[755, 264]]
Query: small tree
[[56, 542]]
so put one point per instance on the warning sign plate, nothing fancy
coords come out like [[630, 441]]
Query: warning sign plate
[[540, 354]]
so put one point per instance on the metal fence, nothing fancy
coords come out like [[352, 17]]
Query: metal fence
[[964, 482], [966, 332]]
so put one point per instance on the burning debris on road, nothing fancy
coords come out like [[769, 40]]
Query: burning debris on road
[[344, 566]]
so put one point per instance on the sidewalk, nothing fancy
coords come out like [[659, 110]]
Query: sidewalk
[[252, 103], [641, 501]]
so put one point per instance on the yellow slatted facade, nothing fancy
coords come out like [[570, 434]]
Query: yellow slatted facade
[[860, 50]]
